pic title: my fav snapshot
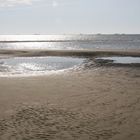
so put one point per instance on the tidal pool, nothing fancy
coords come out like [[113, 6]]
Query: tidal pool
[[121, 60], [37, 65]]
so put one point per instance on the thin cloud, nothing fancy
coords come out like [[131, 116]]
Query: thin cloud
[[52, 3], [12, 3]]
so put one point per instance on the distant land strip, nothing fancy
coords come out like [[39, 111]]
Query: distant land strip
[[76, 53]]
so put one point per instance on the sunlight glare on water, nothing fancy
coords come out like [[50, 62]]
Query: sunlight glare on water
[[36, 65], [70, 42]]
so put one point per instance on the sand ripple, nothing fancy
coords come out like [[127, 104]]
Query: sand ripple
[[45, 122]]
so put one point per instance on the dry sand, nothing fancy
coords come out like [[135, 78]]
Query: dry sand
[[98, 104]]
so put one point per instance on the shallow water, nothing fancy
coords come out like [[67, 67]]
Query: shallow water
[[122, 60], [36, 65]]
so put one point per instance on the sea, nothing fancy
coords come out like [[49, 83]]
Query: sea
[[28, 66], [70, 42]]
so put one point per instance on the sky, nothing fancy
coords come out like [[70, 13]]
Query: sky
[[69, 16]]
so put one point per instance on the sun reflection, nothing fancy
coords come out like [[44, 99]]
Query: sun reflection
[[36, 65]]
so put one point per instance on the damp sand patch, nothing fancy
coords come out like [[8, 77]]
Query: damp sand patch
[[117, 61]]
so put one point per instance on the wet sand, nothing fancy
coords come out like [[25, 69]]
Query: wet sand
[[77, 53], [102, 103]]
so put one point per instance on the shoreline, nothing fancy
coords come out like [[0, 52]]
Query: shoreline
[[89, 59]]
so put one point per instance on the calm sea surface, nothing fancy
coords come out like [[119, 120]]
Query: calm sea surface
[[70, 42]]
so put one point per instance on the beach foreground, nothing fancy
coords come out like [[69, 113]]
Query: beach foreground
[[98, 104]]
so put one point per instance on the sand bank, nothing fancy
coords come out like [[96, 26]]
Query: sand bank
[[97, 104], [81, 53]]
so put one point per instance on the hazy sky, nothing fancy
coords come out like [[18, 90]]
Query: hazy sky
[[69, 16]]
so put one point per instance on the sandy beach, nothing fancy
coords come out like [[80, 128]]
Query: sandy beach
[[102, 103], [69, 70]]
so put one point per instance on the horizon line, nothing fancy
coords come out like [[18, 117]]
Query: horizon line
[[79, 34]]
